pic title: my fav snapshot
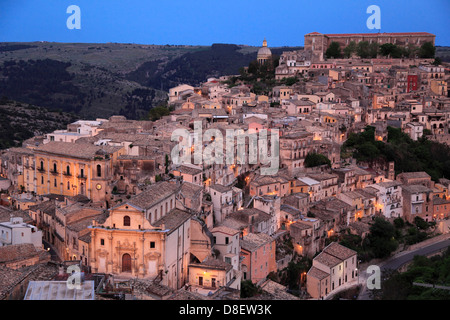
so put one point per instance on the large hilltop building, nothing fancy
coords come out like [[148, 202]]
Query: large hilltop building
[[318, 43]]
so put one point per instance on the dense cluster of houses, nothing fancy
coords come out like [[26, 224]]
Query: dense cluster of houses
[[106, 195]]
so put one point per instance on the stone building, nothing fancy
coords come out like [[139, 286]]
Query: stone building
[[148, 237], [318, 43]]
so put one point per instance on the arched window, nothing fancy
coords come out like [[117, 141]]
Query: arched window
[[42, 165], [99, 170], [68, 170], [54, 167], [126, 221]]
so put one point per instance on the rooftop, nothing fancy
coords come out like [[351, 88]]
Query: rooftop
[[225, 229], [173, 219], [339, 251], [17, 252], [317, 273], [212, 263], [327, 259], [76, 150], [189, 170], [153, 194], [253, 241]]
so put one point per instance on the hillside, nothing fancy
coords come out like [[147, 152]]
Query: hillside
[[19, 121], [99, 80]]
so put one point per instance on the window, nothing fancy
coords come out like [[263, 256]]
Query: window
[[54, 167], [68, 170], [126, 221], [81, 173], [152, 244], [99, 170], [68, 185], [54, 183], [42, 165], [226, 240], [102, 242]]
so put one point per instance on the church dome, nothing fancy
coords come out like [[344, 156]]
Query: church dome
[[264, 53]]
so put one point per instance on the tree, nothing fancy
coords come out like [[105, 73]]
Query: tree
[[373, 50], [427, 51], [350, 49], [386, 49], [399, 223], [158, 112], [391, 50], [421, 223], [410, 51], [381, 238], [316, 159], [437, 61], [167, 163], [334, 51], [248, 289], [362, 49]]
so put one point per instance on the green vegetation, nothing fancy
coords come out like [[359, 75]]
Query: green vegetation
[[385, 237], [364, 49], [434, 270], [19, 121], [249, 289], [381, 239], [391, 50], [334, 51], [379, 243], [409, 155], [294, 275], [427, 50], [261, 78], [350, 49], [158, 112], [316, 159]]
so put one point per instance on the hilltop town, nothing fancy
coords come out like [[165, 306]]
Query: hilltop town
[[106, 196]]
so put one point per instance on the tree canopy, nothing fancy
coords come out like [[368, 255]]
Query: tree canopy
[[334, 50], [409, 155], [427, 51], [316, 159], [381, 238]]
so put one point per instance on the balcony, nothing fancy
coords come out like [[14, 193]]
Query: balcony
[[68, 174], [81, 177], [54, 172]]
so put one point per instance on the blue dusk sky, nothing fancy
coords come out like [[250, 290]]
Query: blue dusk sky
[[204, 22]]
